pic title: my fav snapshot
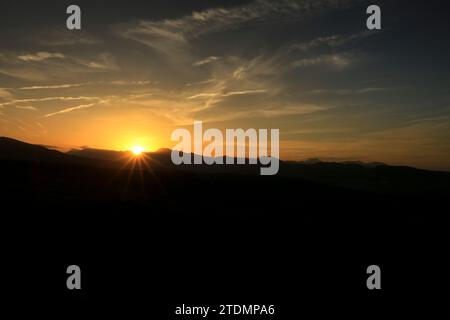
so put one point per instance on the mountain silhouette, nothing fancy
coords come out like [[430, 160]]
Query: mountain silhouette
[[373, 177], [100, 154], [134, 214], [11, 149]]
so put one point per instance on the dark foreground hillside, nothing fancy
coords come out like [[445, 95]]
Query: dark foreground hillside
[[149, 235]]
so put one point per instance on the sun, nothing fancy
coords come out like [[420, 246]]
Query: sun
[[137, 150]]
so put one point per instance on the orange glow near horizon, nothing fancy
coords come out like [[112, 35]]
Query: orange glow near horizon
[[137, 150]]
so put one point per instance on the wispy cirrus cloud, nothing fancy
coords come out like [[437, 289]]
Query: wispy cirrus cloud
[[348, 91], [30, 108], [67, 110], [55, 86], [172, 37], [206, 61], [44, 66], [287, 110], [23, 73], [45, 99], [278, 111], [40, 56], [227, 94], [103, 62], [229, 77], [75, 85], [130, 82], [332, 41], [338, 60], [100, 101]]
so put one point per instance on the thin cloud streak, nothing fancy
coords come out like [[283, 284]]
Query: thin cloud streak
[[206, 61], [67, 110], [332, 41], [47, 99], [57, 86], [31, 108], [228, 94], [40, 56], [339, 61]]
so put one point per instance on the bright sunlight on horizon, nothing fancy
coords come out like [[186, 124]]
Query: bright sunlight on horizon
[[332, 92], [137, 150]]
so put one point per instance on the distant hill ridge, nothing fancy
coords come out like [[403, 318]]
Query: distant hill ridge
[[375, 176], [12, 149], [17, 150]]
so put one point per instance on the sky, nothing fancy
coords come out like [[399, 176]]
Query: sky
[[137, 70]]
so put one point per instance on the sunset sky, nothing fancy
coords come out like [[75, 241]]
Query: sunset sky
[[140, 69]]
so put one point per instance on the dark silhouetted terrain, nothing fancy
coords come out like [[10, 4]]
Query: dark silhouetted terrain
[[147, 226]]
